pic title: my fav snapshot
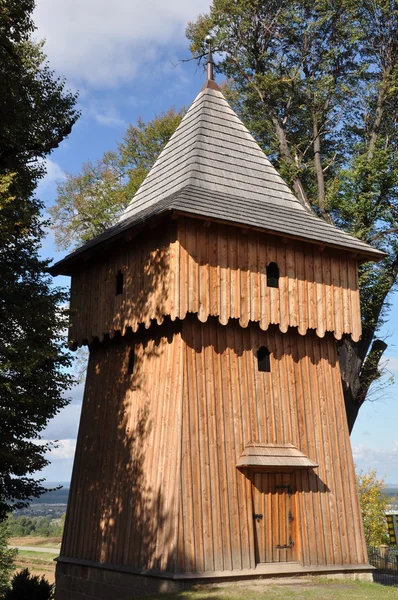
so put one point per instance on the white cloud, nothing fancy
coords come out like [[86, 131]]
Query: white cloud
[[97, 43], [384, 460], [54, 173], [62, 449], [104, 114], [65, 450]]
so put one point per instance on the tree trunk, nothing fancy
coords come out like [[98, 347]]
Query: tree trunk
[[350, 367], [378, 113], [359, 369]]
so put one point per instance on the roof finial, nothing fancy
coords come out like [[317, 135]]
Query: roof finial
[[210, 62]]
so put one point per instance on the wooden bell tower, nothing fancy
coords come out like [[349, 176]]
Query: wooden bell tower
[[213, 440]]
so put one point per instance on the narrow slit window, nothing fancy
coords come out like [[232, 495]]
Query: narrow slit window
[[119, 283], [130, 367], [273, 275], [263, 361]]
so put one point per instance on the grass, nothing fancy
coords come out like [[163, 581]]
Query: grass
[[303, 589], [38, 563]]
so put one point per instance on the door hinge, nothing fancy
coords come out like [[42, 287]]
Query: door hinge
[[286, 546]]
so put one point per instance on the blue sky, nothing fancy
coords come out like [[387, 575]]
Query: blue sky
[[123, 58]]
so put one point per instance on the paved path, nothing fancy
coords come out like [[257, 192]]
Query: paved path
[[37, 549]]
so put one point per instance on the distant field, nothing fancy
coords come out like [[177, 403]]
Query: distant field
[[40, 542], [38, 563]]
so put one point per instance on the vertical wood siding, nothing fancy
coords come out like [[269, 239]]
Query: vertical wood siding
[[96, 310], [155, 483], [123, 506], [220, 271]]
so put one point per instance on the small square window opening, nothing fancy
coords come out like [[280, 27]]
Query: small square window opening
[[263, 360]]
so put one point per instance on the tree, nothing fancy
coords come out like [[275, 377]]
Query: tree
[[317, 84], [91, 201], [36, 113], [373, 502], [7, 556]]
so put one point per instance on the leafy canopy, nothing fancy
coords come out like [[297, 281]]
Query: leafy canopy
[[36, 113]]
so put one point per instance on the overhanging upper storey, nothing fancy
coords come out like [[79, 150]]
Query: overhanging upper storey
[[192, 266]]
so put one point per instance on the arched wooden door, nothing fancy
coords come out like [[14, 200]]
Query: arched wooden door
[[274, 518]]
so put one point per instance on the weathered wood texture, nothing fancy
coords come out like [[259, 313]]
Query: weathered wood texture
[[155, 482], [217, 271], [123, 506], [96, 310]]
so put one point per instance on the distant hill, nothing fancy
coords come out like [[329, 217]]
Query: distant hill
[[55, 496], [51, 504]]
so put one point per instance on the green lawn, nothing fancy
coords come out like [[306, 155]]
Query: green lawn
[[320, 590]]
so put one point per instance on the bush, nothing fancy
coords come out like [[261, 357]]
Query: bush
[[373, 502], [25, 586]]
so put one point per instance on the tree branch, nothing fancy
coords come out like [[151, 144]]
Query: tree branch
[[380, 234], [381, 96], [370, 369], [320, 174]]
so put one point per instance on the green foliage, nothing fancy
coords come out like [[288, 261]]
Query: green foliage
[[36, 113], [317, 84], [373, 502], [91, 201], [23, 526], [7, 556], [25, 586]]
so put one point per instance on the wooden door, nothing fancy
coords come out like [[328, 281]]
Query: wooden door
[[273, 517]]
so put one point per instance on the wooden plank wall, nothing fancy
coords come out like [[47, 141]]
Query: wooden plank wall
[[155, 483], [97, 311], [221, 271], [216, 271], [228, 403], [123, 505]]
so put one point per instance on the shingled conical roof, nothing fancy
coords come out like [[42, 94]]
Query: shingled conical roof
[[212, 152], [212, 167]]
